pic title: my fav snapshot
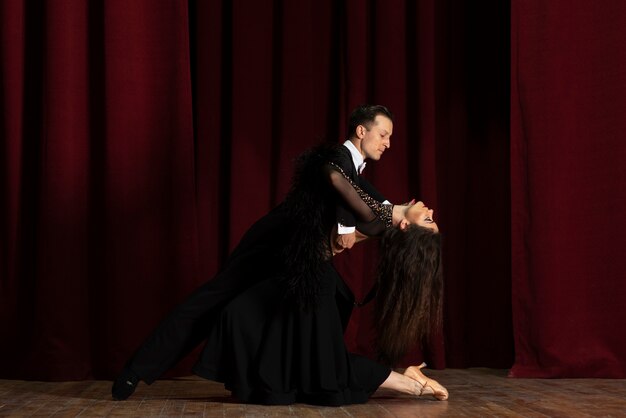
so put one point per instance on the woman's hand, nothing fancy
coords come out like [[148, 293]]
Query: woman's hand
[[360, 237]]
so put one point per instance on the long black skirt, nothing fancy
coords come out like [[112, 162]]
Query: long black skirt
[[266, 350]]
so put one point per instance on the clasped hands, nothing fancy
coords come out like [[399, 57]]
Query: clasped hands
[[340, 242]]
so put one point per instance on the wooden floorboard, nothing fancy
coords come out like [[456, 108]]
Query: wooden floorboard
[[473, 393]]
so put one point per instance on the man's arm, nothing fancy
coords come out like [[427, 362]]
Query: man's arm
[[373, 216]]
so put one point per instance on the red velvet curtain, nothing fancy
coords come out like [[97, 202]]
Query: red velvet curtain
[[568, 188], [139, 140]]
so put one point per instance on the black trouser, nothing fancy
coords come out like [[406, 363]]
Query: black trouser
[[256, 257]]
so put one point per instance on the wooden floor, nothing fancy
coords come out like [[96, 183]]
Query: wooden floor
[[473, 393]]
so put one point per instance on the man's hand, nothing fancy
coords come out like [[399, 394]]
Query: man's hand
[[335, 248], [345, 241]]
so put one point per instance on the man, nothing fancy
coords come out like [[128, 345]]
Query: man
[[369, 135], [258, 255]]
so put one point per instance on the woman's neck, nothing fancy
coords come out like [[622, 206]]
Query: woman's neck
[[399, 212]]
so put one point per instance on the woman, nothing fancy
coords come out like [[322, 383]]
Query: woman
[[271, 317]]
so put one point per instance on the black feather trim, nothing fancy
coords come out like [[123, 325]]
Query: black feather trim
[[311, 204]]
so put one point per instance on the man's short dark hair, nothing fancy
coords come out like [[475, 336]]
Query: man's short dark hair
[[365, 115]]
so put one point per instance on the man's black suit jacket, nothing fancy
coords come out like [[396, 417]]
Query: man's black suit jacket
[[344, 216]]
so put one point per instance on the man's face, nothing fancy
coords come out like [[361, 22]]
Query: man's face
[[377, 139]]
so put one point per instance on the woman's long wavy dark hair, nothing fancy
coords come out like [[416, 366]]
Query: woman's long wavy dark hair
[[410, 290]]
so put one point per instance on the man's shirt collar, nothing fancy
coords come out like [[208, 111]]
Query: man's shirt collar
[[357, 158]]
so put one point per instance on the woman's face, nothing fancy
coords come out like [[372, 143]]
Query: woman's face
[[419, 214]]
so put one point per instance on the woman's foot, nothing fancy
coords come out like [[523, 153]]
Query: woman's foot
[[413, 382], [428, 386]]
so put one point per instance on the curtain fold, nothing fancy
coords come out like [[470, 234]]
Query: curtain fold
[[139, 140], [567, 181]]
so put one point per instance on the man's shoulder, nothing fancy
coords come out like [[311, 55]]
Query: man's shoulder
[[328, 152], [345, 159], [332, 151], [344, 152]]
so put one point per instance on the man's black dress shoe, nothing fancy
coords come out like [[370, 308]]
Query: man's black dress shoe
[[124, 385]]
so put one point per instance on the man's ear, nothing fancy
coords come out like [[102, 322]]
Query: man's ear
[[360, 131]]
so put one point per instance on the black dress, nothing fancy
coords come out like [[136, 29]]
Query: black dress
[[266, 345], [270, 351], [273, 317]]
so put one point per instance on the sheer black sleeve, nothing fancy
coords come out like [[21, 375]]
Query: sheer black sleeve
[[372, 216]]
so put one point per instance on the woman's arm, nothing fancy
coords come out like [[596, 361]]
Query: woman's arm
[[372, 216]]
